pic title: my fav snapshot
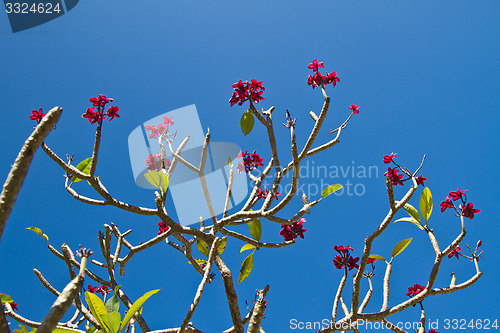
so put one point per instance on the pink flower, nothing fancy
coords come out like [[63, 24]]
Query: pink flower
[[354, 108], [153, 162], [315, 65], [100, 101], [262, 194], [458, 194], [455, 252], [446, 203], [37, 115], [469, 211], [93, 117], [389, 158], [168, 120], [415, 290], [113, 112]]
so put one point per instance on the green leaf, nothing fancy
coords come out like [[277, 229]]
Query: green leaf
[[17, 330], [6, 298], [158, 179], [412, 211], [83, 166], [247, 247], [246, 268], [222, 245], [91, 329], [255, 229], [113, 304], [115, 319], [97, 308], [23, 329], [136, 306], [39, 231], [199, 261], [412, 221], [330, 189], [400, 246], [376, 256], [246, 122], [62, 330], [426, 203], [107, 324], [202, 247]]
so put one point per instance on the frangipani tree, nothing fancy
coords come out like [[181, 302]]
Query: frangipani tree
[[203, 246]]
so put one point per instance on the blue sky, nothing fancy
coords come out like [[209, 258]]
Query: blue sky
[[425, 75]]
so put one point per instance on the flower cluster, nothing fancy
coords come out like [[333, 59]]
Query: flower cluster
[[97, 116], [247, 91], [249, 161], [393, 172], [464, 209], [262, 194], [294, 230], [101, 289], [153, 162], [344, 258], [318, 80], [163, 227], [161, 129]]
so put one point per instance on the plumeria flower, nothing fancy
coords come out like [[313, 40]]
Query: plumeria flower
[[420, 180], [354, 108], [455, 252], [415, 290], [446, 203], [37, 115], [249, 161], [389, 158], [344, 258], [315, 65], [113, 112], [294, 230], [153, 162], [458, 194], [245, 90], [163, 227], [393, 175], [469, 210]]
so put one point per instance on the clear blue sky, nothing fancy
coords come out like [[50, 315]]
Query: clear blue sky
[[425, 75]]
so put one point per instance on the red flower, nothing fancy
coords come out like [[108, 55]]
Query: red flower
[[393, 175], [458, 194], [244, 90], [168, 120], [344, 258], [249, 161], [37, 115], [446, 203], [13, 306], [315, 65], [455, 252], [153, 162], [333, 79], [93, 117], [433, 331], [100, 101], [103, 290], [354, 108], [262, 194], [479, 243], [415, 290], [420, 180], [163, 227], [294, 230], [371, 260], [389, 158], [469, 211], [113, 112], [91, 289]]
